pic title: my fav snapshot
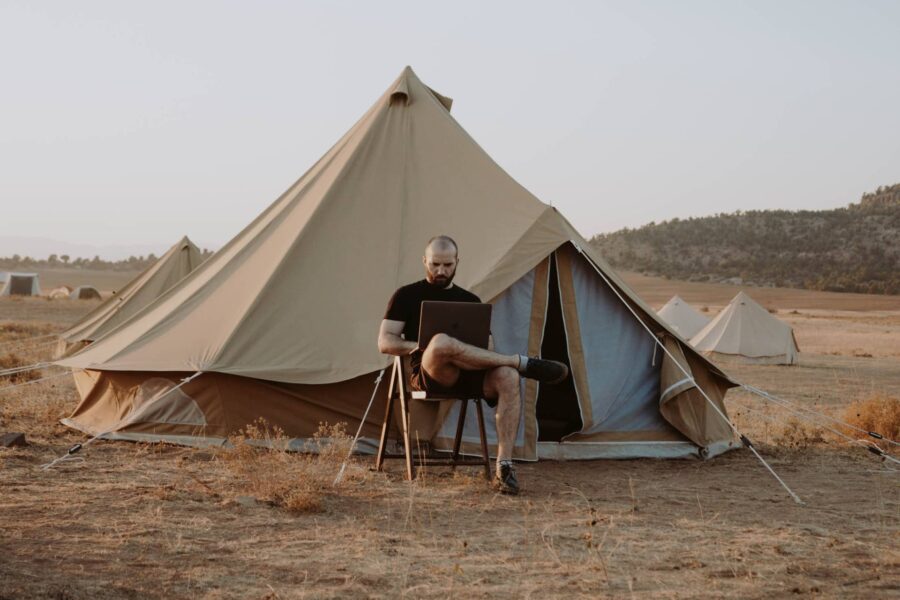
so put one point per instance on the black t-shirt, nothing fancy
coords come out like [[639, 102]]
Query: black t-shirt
[[406, 305]]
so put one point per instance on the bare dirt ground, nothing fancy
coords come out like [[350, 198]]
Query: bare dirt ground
[[156, 521]]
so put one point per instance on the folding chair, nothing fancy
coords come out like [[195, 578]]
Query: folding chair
[[398, 390]]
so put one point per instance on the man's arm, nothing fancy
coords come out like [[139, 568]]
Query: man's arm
[[389, 340]]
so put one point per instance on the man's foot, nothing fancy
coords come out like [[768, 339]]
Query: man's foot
[[544, 370], [505, 481]]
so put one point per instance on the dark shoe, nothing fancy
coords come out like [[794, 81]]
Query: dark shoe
[[505, 481], [545, 371]]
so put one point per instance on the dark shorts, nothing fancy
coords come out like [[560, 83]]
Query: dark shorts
[[469, 385]]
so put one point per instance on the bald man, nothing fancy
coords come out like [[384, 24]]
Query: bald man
[[449, 366]]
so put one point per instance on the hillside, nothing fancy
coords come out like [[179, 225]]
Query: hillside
[[852, 249]]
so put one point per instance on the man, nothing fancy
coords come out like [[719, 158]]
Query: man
[[448, 365]]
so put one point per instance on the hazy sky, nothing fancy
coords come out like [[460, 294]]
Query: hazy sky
[[138, 122]]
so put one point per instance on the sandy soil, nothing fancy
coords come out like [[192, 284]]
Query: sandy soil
[[153, 521]]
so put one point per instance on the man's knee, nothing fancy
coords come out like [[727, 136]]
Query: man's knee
[[442, 345], [506, 379]]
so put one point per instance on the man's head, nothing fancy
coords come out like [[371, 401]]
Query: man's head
[[441, 258]]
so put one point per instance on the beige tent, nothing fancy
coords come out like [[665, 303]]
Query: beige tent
[[21, 284], [746, 331], [682, 317], [85, 292], [172, 267], [281, 323]]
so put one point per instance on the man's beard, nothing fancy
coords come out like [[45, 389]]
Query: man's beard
[[440, 281]]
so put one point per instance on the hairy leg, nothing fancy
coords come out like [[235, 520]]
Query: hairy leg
[[503, 383], [446, 356]]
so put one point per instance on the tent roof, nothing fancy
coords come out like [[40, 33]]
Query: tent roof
[[298, 295], [169, 269], [747, 329]]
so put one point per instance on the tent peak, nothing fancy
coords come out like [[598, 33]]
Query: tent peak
[[407, 84]]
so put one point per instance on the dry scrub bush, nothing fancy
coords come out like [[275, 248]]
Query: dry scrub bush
[[13, 328], [879, 413], [797, 434], [259, 457]]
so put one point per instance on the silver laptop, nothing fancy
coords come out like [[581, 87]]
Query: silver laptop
[[469, 322]]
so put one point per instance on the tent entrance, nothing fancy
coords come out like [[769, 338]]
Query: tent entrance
[[558, 413], [19, 286]]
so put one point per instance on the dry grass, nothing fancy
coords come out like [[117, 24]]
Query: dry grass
[[799, 434], [12, 360], [879, 413], [266, 470]]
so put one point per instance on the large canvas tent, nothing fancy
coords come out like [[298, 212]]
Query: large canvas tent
[[169, 269], [21, 284], [281, 323], [747, 332], [682, 317]]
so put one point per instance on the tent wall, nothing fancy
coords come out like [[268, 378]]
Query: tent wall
[[215, 406], [615, 364]]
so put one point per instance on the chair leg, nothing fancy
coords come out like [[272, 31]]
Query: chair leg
[[407, 443], [460, 424], [386, 426], [484, 446]]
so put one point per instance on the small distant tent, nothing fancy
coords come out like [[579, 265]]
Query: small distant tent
[[281, 323], [21, 284], [746, 331], [682, 317], [60, 292], [172, 267], [85, 292]]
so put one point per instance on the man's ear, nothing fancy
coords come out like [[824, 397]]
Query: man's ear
[[425, 260]]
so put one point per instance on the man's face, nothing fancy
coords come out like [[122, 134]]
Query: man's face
[[440, 265]]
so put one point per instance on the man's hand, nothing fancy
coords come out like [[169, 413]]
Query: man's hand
[[390, 342]]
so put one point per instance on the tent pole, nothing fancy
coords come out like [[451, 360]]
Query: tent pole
[[746, 441]]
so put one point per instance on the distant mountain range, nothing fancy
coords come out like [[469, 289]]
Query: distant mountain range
[[852, 249]]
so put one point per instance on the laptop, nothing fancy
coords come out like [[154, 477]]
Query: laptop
[[469, 322]]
